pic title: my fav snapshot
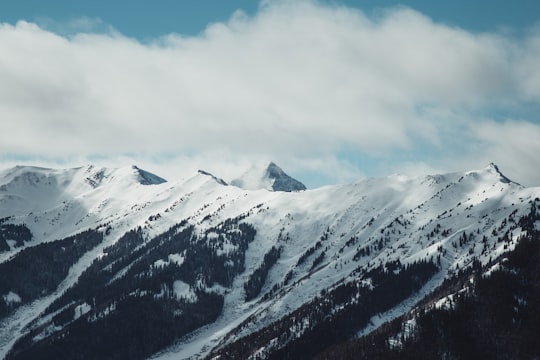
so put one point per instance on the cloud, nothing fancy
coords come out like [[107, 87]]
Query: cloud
[[515, 145], [76, 25], [296, 82]]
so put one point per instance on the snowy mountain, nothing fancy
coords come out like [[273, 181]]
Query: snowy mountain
[[119, 263], [271, 177]]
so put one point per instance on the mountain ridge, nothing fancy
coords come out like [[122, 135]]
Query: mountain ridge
[[252, 256]]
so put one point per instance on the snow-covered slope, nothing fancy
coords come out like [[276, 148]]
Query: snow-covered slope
[[253, 257]]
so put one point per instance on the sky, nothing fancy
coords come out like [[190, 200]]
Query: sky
[[332, 91]]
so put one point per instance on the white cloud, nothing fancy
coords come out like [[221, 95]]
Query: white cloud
[[75, 25], [298, 81], [514, 144]]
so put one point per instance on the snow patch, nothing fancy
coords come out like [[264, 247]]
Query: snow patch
[[49, 330], [81, 310], [492, 269], [160, 263], [12, 298], [184, 291], [177, 259], [407, 331]]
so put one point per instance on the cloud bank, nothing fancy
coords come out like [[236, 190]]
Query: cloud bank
[[311, 86]]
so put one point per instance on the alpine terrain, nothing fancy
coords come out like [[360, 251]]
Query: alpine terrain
[[99, 263]]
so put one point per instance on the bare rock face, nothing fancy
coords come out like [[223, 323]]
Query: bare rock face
[[282, 181]]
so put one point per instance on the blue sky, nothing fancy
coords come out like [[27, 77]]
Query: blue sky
[[332, 91], [144, 19]]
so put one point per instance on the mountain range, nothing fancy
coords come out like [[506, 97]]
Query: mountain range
[[120, 263]]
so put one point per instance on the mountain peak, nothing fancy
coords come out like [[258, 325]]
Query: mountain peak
[[270, 177], [146, 178], [282, 181], [494, 169], [274, 170]]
